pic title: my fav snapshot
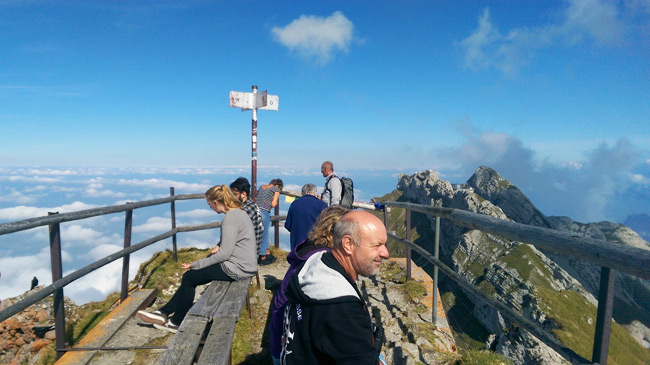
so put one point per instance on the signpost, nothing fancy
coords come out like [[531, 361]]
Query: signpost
[[253, 101]]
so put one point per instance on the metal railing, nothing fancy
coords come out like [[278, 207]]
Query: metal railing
[[610, 256]]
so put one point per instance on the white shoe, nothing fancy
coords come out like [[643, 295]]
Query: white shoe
[[168, 326], [152, 317]]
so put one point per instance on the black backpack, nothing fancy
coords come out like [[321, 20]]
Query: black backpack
[[347, 192]]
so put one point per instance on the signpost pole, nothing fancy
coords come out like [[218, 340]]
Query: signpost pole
[[254, 152], [253, 101]]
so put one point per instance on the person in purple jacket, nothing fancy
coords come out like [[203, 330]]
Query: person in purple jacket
[[319, 239]]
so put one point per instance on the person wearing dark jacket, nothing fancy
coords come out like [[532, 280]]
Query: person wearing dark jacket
[[319, 239], [302, 214], [326, 320]]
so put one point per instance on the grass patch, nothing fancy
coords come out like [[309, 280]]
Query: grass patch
[[89, 314], [250, 332], [414, 290], [529, 265], [573, 314], [469, 333], [142, 356], [480, 357], [161, 271], [392, 271]]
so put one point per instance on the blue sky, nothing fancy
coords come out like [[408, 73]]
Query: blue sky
[[551, 94], [366, 84]]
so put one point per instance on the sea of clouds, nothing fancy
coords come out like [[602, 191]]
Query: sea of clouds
[[609, 184], [34, 192]]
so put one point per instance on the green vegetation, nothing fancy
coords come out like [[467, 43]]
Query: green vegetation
[[414, 290], [161, 271], [576, 321], [90, 314], [481, 357], [529, 265], [469, 333], [392, 271]]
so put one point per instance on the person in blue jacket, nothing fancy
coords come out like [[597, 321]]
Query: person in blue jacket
[[302, 214]]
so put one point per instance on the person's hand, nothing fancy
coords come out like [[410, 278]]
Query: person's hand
[[185, 266], [215, 250]]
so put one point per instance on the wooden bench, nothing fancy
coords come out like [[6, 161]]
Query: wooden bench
[[210, 322], [104, 330]]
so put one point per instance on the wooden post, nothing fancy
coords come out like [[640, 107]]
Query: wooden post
[[57, 273], [436, 245], [175, 252], [408, 248], [128, 222], [604, 319], [276, 225]]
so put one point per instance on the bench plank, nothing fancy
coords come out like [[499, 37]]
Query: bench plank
[[221, 304], [218, 344], [211, 299], [185, 343], [233, 302]]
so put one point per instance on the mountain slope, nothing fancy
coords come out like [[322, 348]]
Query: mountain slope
[[539, 286]]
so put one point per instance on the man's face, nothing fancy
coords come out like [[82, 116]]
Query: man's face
[[239, 195], [367, 257], [325, 171]]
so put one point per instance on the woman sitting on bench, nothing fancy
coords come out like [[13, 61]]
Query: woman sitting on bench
[[234, 258]]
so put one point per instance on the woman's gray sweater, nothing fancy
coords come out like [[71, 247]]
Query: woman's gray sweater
[[238, 248]]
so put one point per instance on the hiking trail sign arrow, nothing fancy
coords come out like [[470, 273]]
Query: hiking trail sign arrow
[[249, 101], [253, 101]]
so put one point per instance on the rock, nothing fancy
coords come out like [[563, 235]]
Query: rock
[[510, 271]]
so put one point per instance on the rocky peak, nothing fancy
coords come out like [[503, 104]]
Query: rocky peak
[[517, 273], [493, 187]]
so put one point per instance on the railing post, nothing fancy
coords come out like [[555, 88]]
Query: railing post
[[174, 249], [604, 319], [128, 223], [57, 273], [436, 246], [276, 225], [408, 248], [385, 210]]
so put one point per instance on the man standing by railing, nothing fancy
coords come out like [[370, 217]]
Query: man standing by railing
[[302, 214], [327, 320], [241, 188], [333, 189]]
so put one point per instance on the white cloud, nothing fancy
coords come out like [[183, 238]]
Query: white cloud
[[94, 193], [24, 212], [580, 22], [76, 232], [639, 179], [154, 224], [317, 38], [17, 197], [36, 179], [166, 184], [16, 280], [196, 213]]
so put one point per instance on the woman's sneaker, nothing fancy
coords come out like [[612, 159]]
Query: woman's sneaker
[[155, 318], [168, 326]]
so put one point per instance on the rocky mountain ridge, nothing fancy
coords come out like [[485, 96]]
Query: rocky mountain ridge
[[540, 285]]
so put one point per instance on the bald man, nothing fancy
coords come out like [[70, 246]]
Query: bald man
[[327, 320]]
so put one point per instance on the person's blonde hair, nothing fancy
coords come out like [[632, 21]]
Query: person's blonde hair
[[224, 195], [322, 233]]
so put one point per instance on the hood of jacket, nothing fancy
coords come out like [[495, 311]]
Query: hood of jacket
[[322, 280]]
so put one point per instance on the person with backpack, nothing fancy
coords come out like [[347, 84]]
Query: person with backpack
[[333, 189], [338, 190]]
